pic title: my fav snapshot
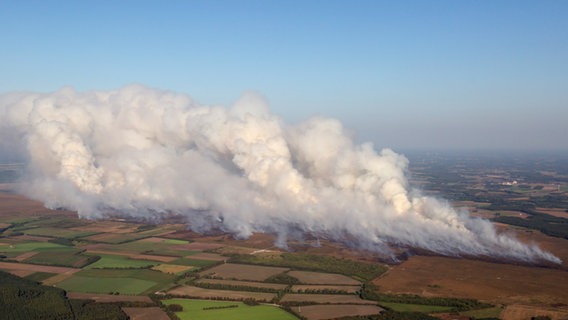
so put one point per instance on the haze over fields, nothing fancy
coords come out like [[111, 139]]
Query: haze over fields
[[409, 74], [144, 152]]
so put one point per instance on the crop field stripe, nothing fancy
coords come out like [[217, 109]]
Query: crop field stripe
[[106, 285], [194, 310], [119, 261], [30, 246]]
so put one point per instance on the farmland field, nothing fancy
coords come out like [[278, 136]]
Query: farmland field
[[66, 257], [308, 277], [118, 261], [129, 281], [325, 298], [311, 288], [171, 268], [196, 292], [209, 310], [58, 232], [105, 285], [152, 313], [319, 312], [236, 283], [242, 272], [194, 262]]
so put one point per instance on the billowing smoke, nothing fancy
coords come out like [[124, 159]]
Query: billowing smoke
[[143, 152]]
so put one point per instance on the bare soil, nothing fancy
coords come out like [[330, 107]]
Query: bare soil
[[152, 313], [233, 271], [326, 298], [253, 284], [308, 277], [320, 312]]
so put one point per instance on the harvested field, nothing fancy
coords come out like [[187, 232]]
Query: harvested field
[[242, 272], [58, 233], [321, 287], [135, 256], [558, 212], [235, 283], [106, 226], [225, 294], [20, 273], [202, 246], [152, 313], [326, 298], [521, 312], [495, 282], [321, 312], [36, 268], [99, 297], [171, 268], [26, 255], [323, 278], [208, 256], [120, 261], [194, 262]]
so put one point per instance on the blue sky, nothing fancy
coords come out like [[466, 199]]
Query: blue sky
[[403, 74]]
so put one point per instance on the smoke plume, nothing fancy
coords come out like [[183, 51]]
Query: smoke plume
[[144, 152]]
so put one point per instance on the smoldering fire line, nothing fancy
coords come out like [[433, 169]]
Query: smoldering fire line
[[141, 151]]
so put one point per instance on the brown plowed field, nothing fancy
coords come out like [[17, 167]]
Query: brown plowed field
[[261, 285], [321, 312], [22, 269], [242, 272], [201, 246], [225, 294], [308, 277], [36, 268], [153, 313], [326, 298], [500, 283]]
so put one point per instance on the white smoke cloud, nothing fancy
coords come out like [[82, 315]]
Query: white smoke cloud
[[144, 152]]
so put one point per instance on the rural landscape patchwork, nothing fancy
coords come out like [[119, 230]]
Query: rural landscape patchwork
[[55, 265]]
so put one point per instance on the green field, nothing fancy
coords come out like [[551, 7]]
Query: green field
[[30, 246], [66, 257], [106, 285], [13, 250], [125, 281], [175, 241], [158, 248], [59, 233], [406, 307], [117, 261], [483, 313], [193, 309]]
